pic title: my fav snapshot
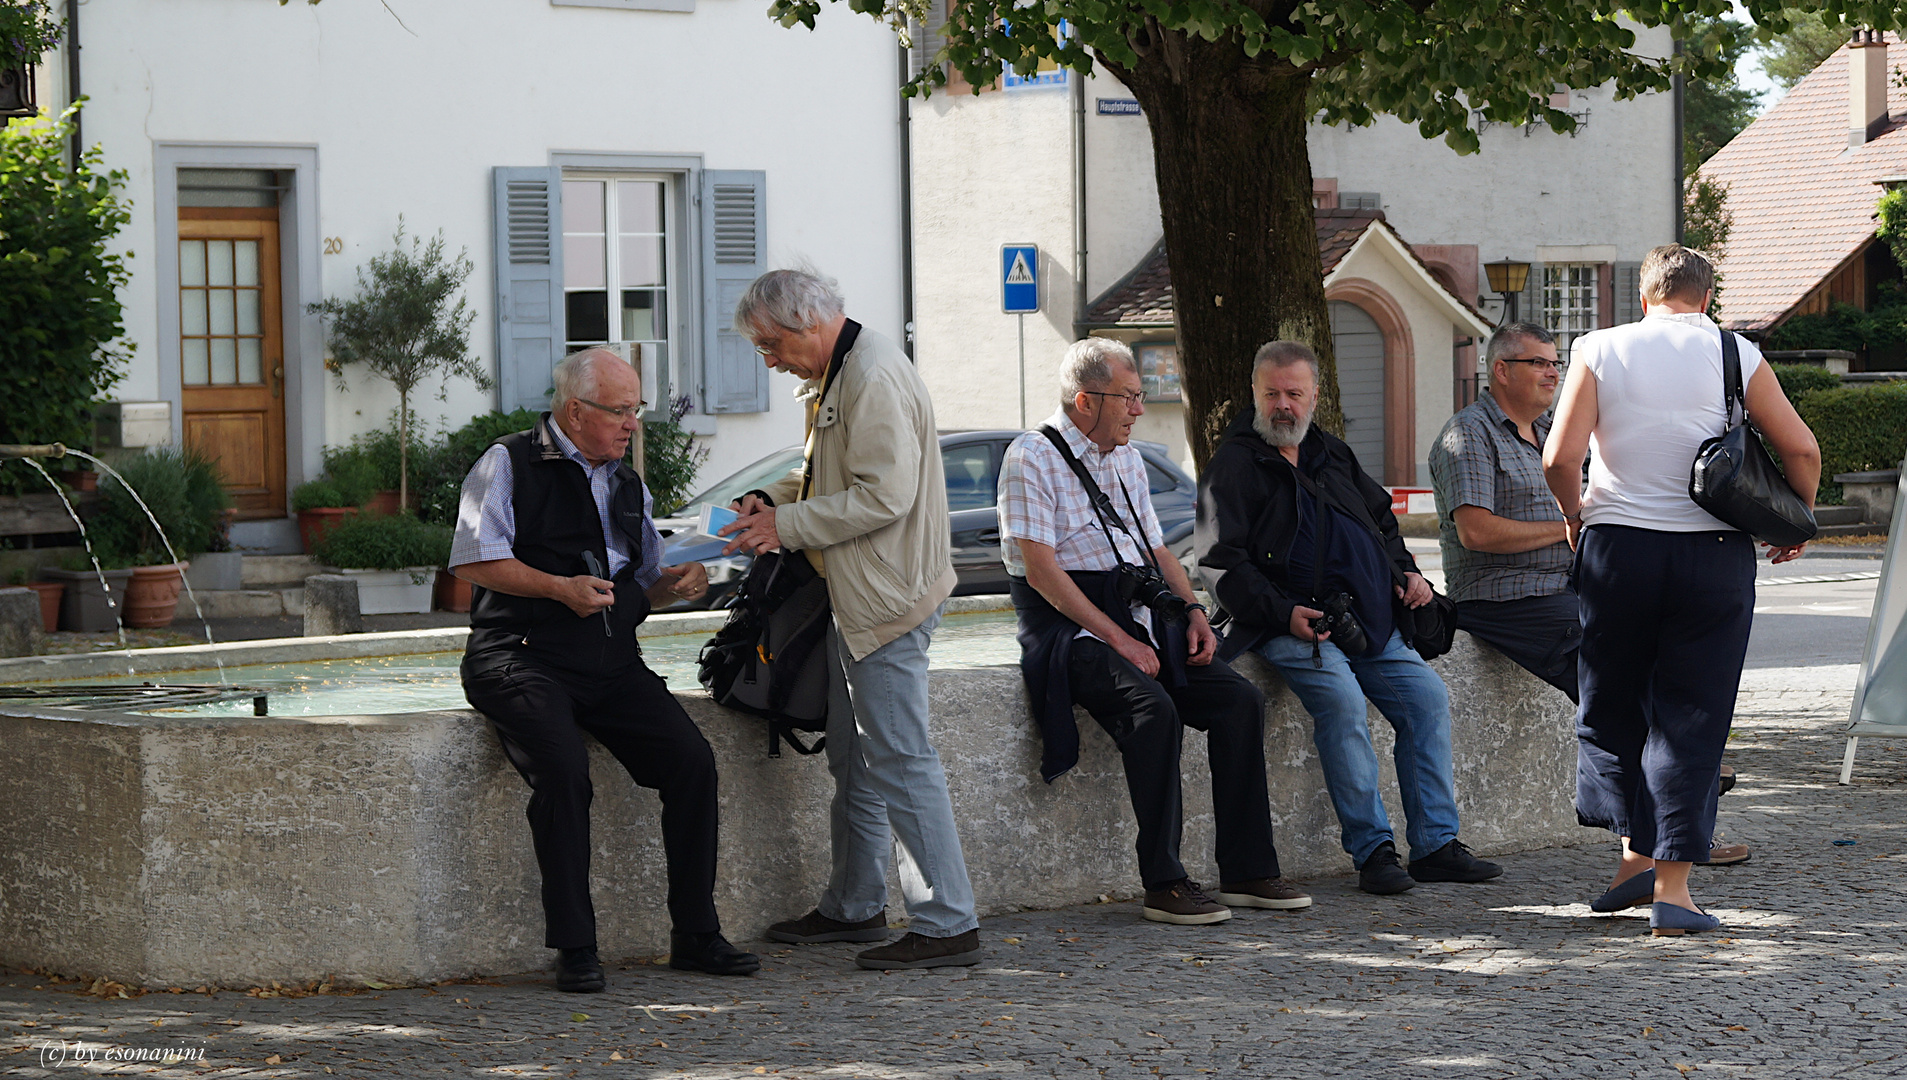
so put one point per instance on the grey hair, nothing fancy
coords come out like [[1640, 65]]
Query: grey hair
[[1088, 365], [1504, 339], [574, 377], [1284, 354], [798, 299], [1673, 272]]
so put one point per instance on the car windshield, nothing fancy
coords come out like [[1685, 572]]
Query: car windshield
[[759, 475]]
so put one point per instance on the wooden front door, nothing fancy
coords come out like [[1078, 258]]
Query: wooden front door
[[231, 350]]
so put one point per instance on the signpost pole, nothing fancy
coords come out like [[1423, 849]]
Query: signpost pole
[[1022, 372]]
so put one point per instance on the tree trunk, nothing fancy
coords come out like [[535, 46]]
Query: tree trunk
[[403, 451], [1228, 146]]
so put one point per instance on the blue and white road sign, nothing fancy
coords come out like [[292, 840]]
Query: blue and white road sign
[[1019, 278]]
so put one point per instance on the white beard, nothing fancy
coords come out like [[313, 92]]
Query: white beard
[[1280, 435]]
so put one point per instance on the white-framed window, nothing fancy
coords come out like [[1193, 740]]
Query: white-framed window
[[1569, 302], [1158, 369], [620, 251]]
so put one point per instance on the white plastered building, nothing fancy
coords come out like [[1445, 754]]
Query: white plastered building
[[616, 169]]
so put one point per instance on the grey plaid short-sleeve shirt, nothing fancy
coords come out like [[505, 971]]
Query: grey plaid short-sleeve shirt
[[1480, 460]]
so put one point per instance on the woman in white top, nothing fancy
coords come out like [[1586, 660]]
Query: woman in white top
[[1666, 591]]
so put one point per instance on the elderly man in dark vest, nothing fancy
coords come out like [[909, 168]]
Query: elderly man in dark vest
[[554, 530]]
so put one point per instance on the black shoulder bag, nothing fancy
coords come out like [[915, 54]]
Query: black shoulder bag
[[770, 657], [1733, 477]]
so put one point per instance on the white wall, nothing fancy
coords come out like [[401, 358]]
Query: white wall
[[411, 121]]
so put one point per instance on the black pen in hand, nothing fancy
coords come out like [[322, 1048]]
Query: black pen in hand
[[596, 570]]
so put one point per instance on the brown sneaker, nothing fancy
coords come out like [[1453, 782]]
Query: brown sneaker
[[1727, 855], [815, 927], [1264, 893], [916, 951], [1184, 904]]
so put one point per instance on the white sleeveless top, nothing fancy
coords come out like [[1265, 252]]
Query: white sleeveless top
[[1658, 398]]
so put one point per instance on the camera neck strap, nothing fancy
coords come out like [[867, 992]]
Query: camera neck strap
[[1102, 504]]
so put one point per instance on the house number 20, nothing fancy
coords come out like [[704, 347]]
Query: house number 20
[[334, 245]]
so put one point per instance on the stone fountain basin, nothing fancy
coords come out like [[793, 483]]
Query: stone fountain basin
[[188, 851]]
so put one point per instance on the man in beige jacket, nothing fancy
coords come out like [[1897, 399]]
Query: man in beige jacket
[[874, 522]]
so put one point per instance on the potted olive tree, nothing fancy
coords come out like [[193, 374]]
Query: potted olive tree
[[395, 559], [408, 323]]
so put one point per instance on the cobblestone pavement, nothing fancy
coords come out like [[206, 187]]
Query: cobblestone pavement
[[1511, 979]]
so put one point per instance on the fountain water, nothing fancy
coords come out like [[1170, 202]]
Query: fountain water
[[170, 553], [34, 460]]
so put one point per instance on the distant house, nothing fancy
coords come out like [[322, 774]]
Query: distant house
[[1802, 182], [1392, 320]]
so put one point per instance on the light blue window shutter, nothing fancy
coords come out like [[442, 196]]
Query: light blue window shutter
[[529, 261], [734, 253], [1628, 292]]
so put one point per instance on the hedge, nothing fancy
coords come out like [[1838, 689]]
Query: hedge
[[1798, 379], [1860, 428]]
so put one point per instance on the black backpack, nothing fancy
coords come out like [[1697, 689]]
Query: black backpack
[[770, 657]]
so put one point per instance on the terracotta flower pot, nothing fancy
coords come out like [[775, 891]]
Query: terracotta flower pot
[[152, 596], [313, 524], [79, 479], [453, 592], [50, 593], [383, 502]]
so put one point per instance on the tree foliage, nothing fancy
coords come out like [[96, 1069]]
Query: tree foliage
[[408, 322], [1716, 110], [1811, 37], [1228, 88], [59, 287]]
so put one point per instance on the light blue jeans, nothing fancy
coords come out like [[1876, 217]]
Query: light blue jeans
[[890, 791], [1415, 701]]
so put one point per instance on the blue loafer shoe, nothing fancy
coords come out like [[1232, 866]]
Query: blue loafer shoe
[[1673, 920], [1635, 892]]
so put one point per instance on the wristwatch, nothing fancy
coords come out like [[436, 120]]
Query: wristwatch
[[1198, 608]]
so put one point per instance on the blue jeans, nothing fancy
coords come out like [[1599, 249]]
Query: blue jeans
[[1417, 704], [888, 787]]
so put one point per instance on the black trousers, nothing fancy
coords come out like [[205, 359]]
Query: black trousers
[[540, 714], [1665, 630], [1146, 720], [1540, 633]]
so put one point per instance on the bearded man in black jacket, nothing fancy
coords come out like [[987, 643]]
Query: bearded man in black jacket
[[1290, 528]]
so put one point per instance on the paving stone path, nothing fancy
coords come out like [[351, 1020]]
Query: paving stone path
[[1511, 979]]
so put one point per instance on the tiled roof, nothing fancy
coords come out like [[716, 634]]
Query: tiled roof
[[1144, 296], [1802, 199]]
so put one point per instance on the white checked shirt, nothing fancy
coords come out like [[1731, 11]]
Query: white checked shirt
[[486, 512], [1042, 501]]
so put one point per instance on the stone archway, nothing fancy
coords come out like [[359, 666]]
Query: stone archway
[[1400, 374]]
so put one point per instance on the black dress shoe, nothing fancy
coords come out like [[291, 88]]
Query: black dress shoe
[[1380, 873], [578, 971], [710, 954], [1453, 862]]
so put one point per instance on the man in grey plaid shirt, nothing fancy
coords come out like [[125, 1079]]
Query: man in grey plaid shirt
[[1506, 558]]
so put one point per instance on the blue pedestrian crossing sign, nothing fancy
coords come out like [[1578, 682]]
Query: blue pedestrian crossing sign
[[1019, 278]]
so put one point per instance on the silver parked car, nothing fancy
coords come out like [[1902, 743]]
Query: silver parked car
[[972, 463]]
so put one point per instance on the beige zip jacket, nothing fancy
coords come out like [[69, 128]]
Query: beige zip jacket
[[878, 508]]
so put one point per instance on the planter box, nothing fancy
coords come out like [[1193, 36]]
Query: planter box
[[394, 592], [86, 607], [212, 571]]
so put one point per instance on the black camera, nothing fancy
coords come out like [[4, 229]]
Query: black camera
[[1145, 585], [1343, 627]]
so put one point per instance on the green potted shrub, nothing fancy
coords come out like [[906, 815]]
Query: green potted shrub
[[394, 557], [408, 322], [27, 30], [180, 488], [320, 505]]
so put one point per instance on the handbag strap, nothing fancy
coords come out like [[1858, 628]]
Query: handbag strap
[[1732, 393], [1103, 508]]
